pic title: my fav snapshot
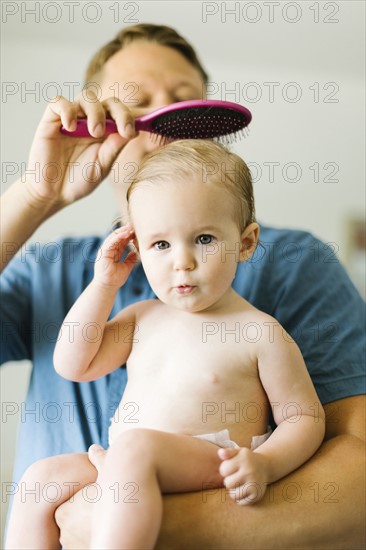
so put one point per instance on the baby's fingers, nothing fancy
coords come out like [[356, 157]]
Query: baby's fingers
[[131, 260], [249, 493], [226, 453], [132, 256], [230, 462], [116, 242], [244, 491]]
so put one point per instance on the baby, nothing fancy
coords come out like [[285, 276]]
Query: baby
[[204, 366]]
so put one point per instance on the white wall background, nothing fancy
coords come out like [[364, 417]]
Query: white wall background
[[299, 67]]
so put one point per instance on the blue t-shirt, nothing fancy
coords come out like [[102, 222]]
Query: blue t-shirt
[[292, 276]]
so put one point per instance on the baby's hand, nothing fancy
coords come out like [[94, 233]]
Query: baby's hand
[[244, 474], [109, 270]]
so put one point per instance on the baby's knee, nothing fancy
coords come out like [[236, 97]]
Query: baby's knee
[[39, 483], [135, 444], [46, 476], [43, 471]]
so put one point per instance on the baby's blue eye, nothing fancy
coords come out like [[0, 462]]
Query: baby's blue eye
[[205, 239], [161, 245]]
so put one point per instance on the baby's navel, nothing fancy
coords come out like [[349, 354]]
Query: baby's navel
[[214, 379]]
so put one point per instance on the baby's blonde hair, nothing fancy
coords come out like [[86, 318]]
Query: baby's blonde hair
[[209, 163]]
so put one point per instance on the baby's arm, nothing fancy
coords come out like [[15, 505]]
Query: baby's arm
[[297, 412], [88, 346]]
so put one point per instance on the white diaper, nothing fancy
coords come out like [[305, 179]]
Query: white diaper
[[222, 439]]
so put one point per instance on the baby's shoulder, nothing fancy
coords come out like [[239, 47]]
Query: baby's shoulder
[[267, 328], [147, 307], [260, 317], [246, 311]]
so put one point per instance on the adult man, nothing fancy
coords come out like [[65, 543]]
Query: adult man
[[320, 505]]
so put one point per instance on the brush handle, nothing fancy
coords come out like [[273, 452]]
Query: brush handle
[[82, 128], [145, 123], [110, 127]]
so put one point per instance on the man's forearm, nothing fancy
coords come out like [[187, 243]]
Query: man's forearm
[[19, 219], [320, 506]]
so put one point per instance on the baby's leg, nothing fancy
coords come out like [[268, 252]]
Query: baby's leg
[[139, 466], [45, 485]]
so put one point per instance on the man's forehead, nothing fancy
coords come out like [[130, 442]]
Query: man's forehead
[[142, 63]]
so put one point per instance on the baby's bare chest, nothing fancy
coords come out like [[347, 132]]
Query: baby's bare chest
[[193, 377], [203, 354]]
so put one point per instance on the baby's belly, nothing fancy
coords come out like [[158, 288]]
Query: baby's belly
[[244, 414]]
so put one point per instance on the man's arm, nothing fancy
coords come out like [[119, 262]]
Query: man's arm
[[321, 505], [41, 193]]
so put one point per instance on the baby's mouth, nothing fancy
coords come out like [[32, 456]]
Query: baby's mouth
[[185, 289]]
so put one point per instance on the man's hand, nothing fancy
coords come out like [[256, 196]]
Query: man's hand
[[62, 169], [79, 510], [68, 167], [320, 505]]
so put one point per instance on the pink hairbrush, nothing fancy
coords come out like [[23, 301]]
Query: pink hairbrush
[[197, 119]]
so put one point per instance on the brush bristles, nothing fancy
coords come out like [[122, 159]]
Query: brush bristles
[[225, 140], [202, 123]]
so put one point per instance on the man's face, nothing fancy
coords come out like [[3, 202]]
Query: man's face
[[146, 76]]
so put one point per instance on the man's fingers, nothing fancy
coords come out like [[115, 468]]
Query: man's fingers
[[88, 105], [94, 111], [122, 117], [60, 111]]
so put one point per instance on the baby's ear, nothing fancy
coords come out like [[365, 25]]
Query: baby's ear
[[248, 241]]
